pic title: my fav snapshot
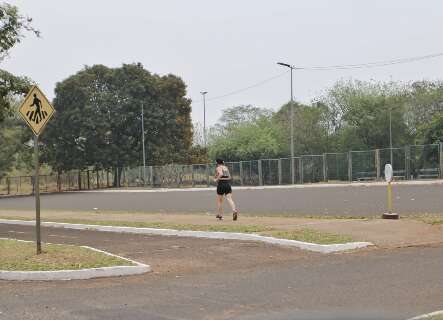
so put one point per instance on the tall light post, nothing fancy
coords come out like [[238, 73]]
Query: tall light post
[[292, 120], [143, 143], [204, 116], [390, 135]]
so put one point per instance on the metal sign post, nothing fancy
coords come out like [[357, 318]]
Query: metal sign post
[[36, 110], [37, 196], [389, 173]]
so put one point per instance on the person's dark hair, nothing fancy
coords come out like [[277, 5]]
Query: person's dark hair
[[220, 161]]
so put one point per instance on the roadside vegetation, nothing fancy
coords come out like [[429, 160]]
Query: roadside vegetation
[[300, 234]]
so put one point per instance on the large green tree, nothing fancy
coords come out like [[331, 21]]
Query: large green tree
[[245, 133], [310, 128], [359, 114], [432, 131], [98, 119]]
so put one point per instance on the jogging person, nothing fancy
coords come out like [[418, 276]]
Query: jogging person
[[223, 179]]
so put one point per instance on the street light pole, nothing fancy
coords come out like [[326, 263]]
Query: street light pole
[[204, 116], [390, 135], [143, 142], [292, 119]]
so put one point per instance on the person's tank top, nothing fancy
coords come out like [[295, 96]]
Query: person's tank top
[[225, 173]]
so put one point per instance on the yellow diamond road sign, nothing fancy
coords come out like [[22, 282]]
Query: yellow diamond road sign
[[36, 110]]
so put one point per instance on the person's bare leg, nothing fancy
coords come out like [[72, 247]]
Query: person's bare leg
[[220, 205], [231, 201], [232, 204]]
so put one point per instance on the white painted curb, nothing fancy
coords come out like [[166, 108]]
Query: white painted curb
[[322, 248], [428, 315], [82, 274], [294, 186]]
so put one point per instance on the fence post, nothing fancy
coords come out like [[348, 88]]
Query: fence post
[[241, 173], [8, 184], [207, 175], [292, 170], [58, 181], [151, 173], [260, 173], [192, 175], [350, 166], [300, 169], [441, 158], [279, 171], [98, 180], [408, 162], [87, 177], [325, 174], [377, 163]]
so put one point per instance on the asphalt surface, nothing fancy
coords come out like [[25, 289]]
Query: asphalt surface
[[219, 279], [334, 201]]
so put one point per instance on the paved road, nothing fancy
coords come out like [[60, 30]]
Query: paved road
[[217, 279], [343, 200]]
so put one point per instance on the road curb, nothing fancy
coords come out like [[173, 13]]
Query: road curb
[[270, 187], [428, 315], [82, 274], [322, 248]]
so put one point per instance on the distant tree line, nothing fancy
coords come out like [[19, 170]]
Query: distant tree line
[[352, 115]]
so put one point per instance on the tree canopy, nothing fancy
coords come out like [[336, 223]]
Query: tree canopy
[[352, 115], [98, 119]]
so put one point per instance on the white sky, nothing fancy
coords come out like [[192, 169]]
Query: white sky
[[221, 46]]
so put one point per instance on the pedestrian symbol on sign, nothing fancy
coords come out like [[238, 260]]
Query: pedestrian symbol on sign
[[38, 115], [36, 110]]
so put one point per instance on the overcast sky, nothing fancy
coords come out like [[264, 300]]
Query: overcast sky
[[222, 46]]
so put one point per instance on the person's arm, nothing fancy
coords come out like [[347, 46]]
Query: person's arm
[[216, 176]]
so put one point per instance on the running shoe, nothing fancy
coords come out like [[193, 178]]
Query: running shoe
[[235, 215], [219, 217]]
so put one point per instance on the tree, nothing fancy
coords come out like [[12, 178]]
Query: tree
[[245, 133], [425, 100], [11, 86], [14, 151], [12, 30], [98, 119], [360, 111], [432, 132], [310, 128]]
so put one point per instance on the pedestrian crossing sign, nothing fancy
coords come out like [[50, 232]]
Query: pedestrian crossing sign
[[36, 110]]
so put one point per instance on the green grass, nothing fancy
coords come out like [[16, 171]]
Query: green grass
[[167, 225], [308, 235], [20, 256], [432, 219], [437, 317]]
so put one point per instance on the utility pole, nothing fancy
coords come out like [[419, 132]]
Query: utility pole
[[390, 135], [143, 142], [204, 117], [292, 119]]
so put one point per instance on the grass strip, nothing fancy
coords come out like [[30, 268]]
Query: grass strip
[[308, 235], [305, 235], [20, 256]]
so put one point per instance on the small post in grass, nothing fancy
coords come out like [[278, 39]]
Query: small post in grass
[[388, 176]]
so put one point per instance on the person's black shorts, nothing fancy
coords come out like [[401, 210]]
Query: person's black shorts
[[224, 187]]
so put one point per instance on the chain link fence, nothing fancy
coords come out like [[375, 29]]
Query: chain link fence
[[409, 163]]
